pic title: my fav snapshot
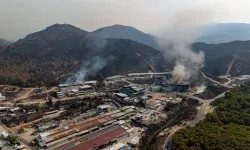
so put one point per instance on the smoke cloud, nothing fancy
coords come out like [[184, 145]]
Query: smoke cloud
[[201, 88], [94, 62], [177, 41], [93, 65]]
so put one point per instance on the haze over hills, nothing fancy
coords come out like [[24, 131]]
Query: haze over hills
[[4, 42], [224, 32], [42, 57], [211, 34], [125, 32]]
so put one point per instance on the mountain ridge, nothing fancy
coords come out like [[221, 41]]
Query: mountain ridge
[[41, 57], [4, 42], [125, 32], [224, 32]]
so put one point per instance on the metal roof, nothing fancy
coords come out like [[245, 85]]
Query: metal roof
[[100, 140]]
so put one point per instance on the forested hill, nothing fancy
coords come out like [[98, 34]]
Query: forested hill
[[125, 32], [218, 57], [41, 58], [228, 128], [4, 42]]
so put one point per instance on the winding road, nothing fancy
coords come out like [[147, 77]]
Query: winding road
[[201, 113]]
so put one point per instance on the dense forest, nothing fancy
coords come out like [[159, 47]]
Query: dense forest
[[228, 128]]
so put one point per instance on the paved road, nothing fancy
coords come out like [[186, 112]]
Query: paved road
[[221, 84], [201, 113]]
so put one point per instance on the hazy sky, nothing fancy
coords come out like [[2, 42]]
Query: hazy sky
[[21, 17]]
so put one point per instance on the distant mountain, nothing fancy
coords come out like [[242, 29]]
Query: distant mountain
[[218, 57], [125, 32], [224, 32], [4, 42], [41, 58], [57, 32]]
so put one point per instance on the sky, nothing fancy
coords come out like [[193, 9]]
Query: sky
[[21, 17]]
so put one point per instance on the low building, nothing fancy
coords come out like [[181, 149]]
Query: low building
[[4, 109], [132, 91], [134, 142], [102, 140], [86, 89], [121, 95], [63, 85], [60, 94], [119, 146], [180, 87], [2, 98], [167, 75], [80, 90], [77, 132], [4, 134], [91, 83], [104, 108], [115, 78]]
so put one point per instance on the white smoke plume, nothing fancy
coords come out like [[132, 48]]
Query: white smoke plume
[[177, 41], [95, 62], [201, 88], [93, 65], [179, 74]]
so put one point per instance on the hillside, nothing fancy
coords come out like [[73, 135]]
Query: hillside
[[224, 32], [228, 128], [125, 32], [218, 56], [4, 42], [42, 57]]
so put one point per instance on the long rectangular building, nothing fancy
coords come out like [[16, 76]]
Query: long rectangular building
[[102, 140], [96, 139], [81, 129]]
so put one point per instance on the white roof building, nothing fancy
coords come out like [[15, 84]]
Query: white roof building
[[2, 98], [90, 82], [122, 95], [135, 141], [4, 134], [118, 146], [104, 106]]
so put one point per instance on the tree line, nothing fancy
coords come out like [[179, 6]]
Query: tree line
[[228, 128]]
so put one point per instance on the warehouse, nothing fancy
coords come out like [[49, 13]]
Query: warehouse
[[2, 98], [102, 140], [81, 129]]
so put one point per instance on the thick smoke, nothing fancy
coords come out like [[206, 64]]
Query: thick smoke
[[177, 41], [179, 74]]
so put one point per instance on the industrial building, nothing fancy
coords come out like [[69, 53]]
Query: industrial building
[[2, 98], [162, 87], [82, 130], [119, 146], [115, 78], [132, 91], [167, 75], [75, 90], [104, 108], [102, 139]]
